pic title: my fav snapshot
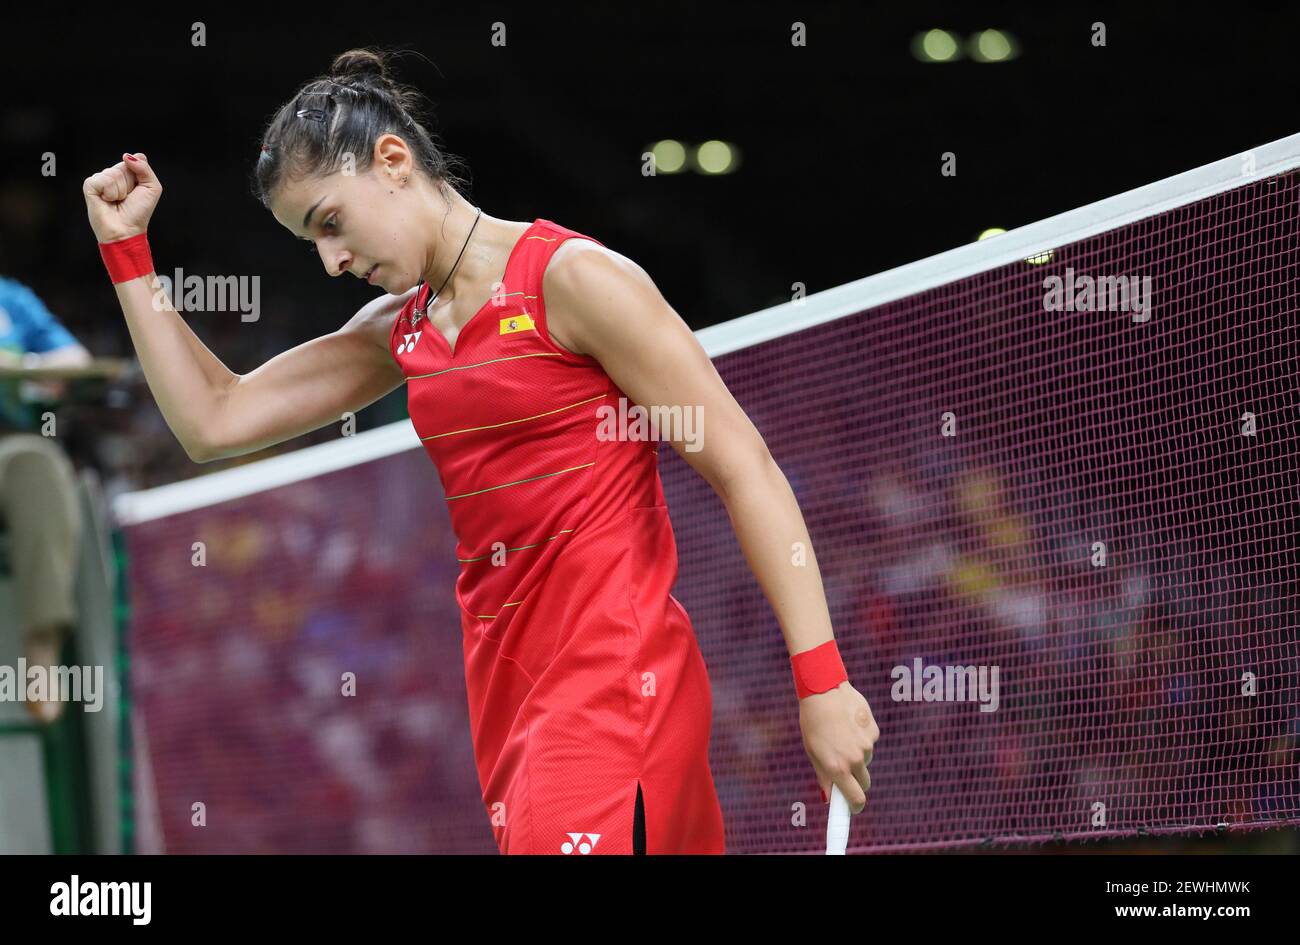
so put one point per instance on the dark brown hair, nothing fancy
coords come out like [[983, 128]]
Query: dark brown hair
[[344, 113]]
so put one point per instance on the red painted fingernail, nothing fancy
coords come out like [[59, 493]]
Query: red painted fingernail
[[132, 158], [823, 794]]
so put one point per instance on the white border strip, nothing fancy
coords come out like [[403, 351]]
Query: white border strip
[[131, 508], [786, 318]]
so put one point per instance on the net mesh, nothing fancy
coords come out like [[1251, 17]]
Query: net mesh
[[299, 673], [1105, 524], [1099, 506]]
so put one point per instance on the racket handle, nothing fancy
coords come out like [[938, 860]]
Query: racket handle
[[837, 824]]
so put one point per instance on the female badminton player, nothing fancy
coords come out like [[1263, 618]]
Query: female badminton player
[[590, 705]]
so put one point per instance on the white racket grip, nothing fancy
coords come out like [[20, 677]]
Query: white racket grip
[[837, 824]]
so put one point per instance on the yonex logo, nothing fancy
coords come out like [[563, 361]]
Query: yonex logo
[[409, 342], [575, 842]]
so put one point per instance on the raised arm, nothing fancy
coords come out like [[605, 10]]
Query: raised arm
[[214, 412]]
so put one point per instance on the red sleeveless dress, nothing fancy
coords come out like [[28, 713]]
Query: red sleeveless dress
[[583, 673]]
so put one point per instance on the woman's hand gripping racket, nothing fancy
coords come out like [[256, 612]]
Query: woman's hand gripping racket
[[839, 735]]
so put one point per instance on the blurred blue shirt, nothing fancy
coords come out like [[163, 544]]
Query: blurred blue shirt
[[26, 327]]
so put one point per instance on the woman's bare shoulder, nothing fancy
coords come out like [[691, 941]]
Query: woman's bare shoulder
[[374, 320]]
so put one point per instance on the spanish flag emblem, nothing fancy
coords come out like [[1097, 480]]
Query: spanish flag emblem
[[521, 322]]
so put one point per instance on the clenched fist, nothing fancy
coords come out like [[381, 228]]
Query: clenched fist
[[120, 199]]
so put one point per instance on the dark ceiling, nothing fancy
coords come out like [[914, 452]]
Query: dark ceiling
[[841, 139]]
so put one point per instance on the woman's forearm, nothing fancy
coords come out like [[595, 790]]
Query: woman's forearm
[[774, 539], [187, 380]]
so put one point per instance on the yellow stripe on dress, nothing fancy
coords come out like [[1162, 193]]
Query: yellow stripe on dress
[[506, 423], [518, 482], [513, 603], [466, 367], [536, 544]]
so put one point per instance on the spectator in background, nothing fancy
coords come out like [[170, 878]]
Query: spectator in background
[[38, 486]]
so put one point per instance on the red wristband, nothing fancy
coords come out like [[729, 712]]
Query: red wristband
[[127, 259], [818, 670]]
